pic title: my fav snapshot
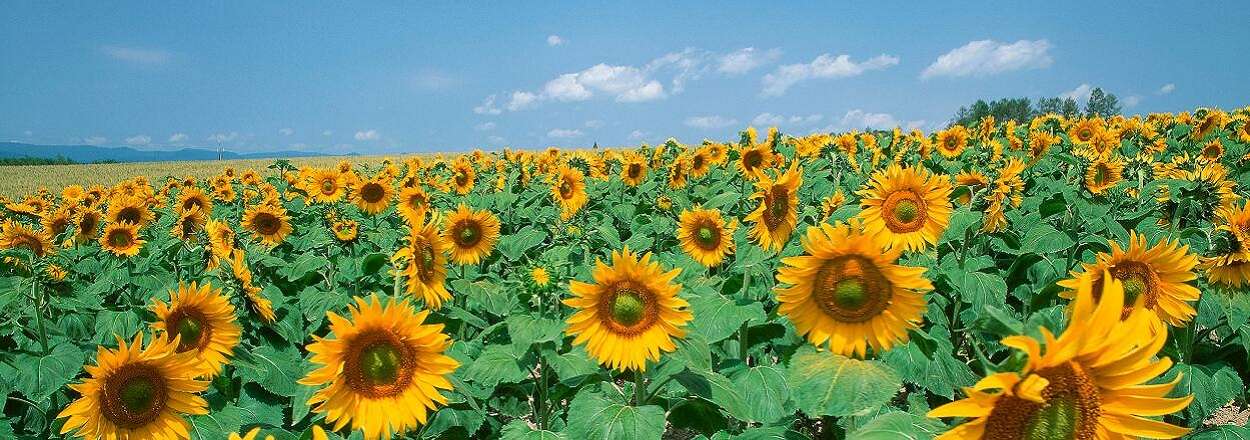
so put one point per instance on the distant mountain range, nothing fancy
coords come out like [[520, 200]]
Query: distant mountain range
[[92, 153]]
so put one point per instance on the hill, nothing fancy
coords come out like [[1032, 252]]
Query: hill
[[92, 153]]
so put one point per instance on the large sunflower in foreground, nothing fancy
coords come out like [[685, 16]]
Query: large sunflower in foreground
[[907, 206], [137, 392], [269, 224], [204, 321], [471, 233], [122, 239], [705, 236], [777, 214], [1159, 274], [424, 264], [630, 314], [372, 196], [382, 368], [848, 292], [1093, 382], [569, 190]]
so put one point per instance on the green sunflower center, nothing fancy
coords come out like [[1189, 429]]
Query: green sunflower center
[[1055, 420], [119, 239], [380, 364], [328, 186], [468, 235], [137, 394], [1133, 287], [850, 293], [706, 235], [566, 190], [628, 307], [190, 331], [906, 211]]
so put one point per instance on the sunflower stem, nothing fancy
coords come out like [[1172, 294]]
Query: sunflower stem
[[743, 344], [39, 306], [640, 388]]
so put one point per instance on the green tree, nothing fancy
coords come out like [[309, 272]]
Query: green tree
[[1102, 104]]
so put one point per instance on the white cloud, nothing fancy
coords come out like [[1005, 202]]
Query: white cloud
[[327, 133], [1132, 100], [178, 138], [521, 101], [824, 66], [1167, 88], [594, 123], [222, 138], [745, 60], [286, 131], [1080, 93], [554, 40], [858, 120], [139, 140], [560, 133], [769, 119], [95, 140], [485, 126], [638, 134], [487, 107], [710, 122], [367, 135], [496, 140], [989, 57], [136, 55]]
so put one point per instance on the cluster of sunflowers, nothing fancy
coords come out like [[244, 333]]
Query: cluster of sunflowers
[[502, 253]]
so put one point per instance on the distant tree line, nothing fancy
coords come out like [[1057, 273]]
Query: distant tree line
[[1022, 110], [58, 160]]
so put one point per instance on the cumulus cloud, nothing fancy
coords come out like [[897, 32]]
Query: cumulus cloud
[[825, 66], [561, 133], [222, 138], [554, 40], [367, 135], [710, 122], [178, 138], [136, 55], [1167, 88], [286, 131], [488, 107], [858, 119], [770, 119], [95, 140], [139, 140], [989, 57], [745, 60], [521, 101], [655, 80], [485, 126], [1080, 93]]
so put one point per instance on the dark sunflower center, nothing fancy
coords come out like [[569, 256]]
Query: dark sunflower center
[[380, 364], [193, 202], [850, 288], [1085, 134], [87, 224], [134, 395], [778, 205], [1069, 410], [950, 142], [372, 192], [130, 214], [634, 170], [752, 160], [190, 331], [566, 189], [697, 162], [120, 239], [462, 178], [328, 186], [469, 234], [416, 202], [425, 260], [628, 307], [266, 223]]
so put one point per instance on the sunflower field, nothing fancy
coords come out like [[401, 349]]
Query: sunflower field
[[1062, 278]]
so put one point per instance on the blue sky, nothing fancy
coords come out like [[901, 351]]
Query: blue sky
[[403, 76]]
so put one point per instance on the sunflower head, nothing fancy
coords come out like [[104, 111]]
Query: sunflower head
[[372, 196], [325, 185], [203, 321], [471, 233], [705, 236], [906, 206], [122, 239], [777, 214], [540, 277], [569, 190], [424, 263], [17, 235], [1103, 174], [269, 224]]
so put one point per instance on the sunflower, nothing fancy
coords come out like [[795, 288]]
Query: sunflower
[[569, 190], [970, 181], [717, 153], [831, 204], [129, 209], [269, 224], [846, 290], [951, 142], [1101, 175], [263, 306], [318, 433], [1159, 274], [753, 160], [1212, 151], [372, 196], [907, 206], [1094, 381], [190, 198], [57, 221], [633, 169], [122, 239], [540, 277], [413, 204], [472, 234], [345, 230], [190, 222], [700, 162], [1085, 131], [463, 175], [705, 236], [137, 392], [1230, 264], [424, 263], [630, 314], [326, 186], [204, 320], [17, 235], [381, 358], [777, 214]]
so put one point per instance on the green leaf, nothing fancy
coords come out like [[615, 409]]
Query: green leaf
[[495, 365], [720, 317], [570, 367], [372, 263], [1212, 388], [766, 393], [979, 288], [446, 418], [716, 388], [593, 417], [722, 199], [519, 430], [826, 384], [274, 369], [484, 295], [111, 324], [526, 329], [898, 425], [37, 376], [218, 424], [771, 433], [515, 245], [306, 264], [961, 220], [1044, 239]]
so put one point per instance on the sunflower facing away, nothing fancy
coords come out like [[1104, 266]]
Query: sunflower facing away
[[630, 314], [425, 265], [137, 392], [382, 368], [269, 224], [1093, 382], [194, 198], [907, 206], [372, 196], [122, 239], [1159, 274], [705, 236], [472, 234], [204, 321], [846, 291], [777, 214], [569, 191]]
